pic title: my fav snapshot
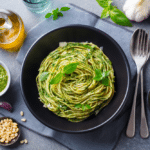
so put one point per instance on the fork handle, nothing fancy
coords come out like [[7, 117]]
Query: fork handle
[[130, 132], [144, 127]]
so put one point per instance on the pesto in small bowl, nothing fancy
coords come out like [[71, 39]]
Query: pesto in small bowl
[[3, 78]]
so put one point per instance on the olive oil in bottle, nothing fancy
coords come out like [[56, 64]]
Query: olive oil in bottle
[[12, 31]]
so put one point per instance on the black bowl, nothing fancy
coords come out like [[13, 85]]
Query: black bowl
[[49, 42]]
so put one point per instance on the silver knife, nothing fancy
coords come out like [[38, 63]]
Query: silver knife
[[148, 98]]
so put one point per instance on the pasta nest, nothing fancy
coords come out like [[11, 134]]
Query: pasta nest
[[77, 95]]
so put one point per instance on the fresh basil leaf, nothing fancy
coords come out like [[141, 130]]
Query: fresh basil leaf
[[105, 81], [55, 17], [64, 75], [44, 76], [104, 3], [57, 78], [64, 8], [119, 17], [60, 14], [70, 68], [105, 13], [55, 13], [98, 75], [48, 15], [98, 72], [88, 106], [83, 107], [78, 105], [97, 78]]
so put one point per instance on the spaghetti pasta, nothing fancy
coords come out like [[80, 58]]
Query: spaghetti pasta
[[79, 94]]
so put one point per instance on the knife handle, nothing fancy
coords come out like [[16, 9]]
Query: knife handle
[[144, 127], [130, 132]]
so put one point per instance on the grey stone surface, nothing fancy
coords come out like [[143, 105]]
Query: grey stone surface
[[38, 142]]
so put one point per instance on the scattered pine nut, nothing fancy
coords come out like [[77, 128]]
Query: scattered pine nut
[[22, 141], [23, 119], [21, 113], [25, 141]]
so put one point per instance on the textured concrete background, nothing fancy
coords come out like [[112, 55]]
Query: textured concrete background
[[38, 142]]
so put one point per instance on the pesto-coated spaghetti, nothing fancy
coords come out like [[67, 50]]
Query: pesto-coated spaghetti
[[85, 90]]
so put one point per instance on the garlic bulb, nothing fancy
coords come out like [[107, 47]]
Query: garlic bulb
[[137, 10]]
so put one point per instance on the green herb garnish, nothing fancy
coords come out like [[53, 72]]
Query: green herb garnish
[[56, 13], [105, 74], [64, 8], [57, 78], [88, 106], [83, 106], [78, 105], [68, 69], [98, 76], [102, 76], [44, 76], [115, 14], [105, 81]]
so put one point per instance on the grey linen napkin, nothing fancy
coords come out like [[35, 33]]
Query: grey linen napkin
[[103, 138]]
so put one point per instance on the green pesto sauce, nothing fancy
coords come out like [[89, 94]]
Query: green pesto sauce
[[3, 78]]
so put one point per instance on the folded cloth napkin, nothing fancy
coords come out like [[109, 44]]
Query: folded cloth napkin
[[106, 136]]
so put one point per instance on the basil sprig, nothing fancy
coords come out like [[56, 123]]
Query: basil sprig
[[115, 14], [68, 69], [102, 76], [57, 12]]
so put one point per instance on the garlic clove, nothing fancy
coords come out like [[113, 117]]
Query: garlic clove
[[130, 4], [137, 10], [130, 13], [141, 14]]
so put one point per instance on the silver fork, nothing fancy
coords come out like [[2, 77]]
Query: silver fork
[[139, 52]]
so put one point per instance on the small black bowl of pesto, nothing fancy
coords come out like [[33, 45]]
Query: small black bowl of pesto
[[4, 78]]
